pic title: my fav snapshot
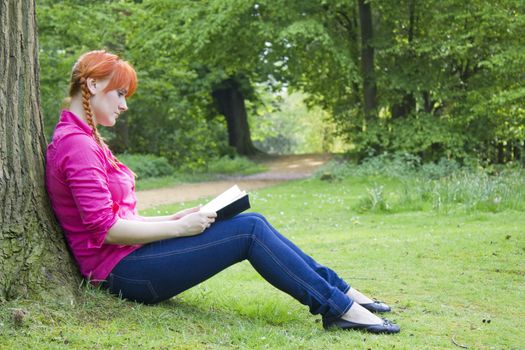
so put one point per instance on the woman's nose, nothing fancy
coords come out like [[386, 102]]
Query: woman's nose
[[123, 106]]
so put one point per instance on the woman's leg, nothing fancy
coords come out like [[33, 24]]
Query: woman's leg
[[160, 270], [328, 274]]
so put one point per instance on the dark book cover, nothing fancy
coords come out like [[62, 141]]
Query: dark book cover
[[234, 208]]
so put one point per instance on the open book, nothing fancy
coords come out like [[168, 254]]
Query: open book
[[229, 203]]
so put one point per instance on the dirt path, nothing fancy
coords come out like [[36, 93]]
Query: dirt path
[[280, 168]]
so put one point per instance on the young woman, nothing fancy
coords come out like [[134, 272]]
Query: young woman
[[150, 259]]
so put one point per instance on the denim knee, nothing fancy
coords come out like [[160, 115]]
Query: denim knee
[[254, 217], [254, 222], [246, 217], [253, 214], [255, 225], [259, 215]]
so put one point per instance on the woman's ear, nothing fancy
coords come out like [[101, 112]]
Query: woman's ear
[[92, 85]]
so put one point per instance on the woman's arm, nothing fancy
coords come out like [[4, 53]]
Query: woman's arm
[[140, 232], [175, 216]]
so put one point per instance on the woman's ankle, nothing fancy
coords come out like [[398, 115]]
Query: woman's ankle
[[358, 297], [359, 314]]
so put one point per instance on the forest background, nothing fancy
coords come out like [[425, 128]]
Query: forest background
[[435, 79], [407, 82]]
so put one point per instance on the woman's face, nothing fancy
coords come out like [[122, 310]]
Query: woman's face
[[107, 106]]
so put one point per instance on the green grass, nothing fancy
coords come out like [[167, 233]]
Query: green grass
[[444, 273], [397, 183]]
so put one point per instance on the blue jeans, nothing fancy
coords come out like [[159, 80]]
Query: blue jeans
[[160, 270]]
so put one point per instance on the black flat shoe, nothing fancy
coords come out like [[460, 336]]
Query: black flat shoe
[[377, 307], [386, 327]]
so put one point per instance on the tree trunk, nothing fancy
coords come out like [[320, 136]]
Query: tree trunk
[[230, 103], [350, 23], [33, 254], [367, 60], [408, 102], [500, 156], [516, 151], [405, 107], [427, 102], [522, 153]]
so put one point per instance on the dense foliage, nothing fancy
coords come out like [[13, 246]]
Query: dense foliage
[[431, 78], [164, 118], [448, 75], [146, 165]]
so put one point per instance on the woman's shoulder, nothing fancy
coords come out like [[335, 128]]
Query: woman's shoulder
[[68, 126], [74, 145], [70, 139]]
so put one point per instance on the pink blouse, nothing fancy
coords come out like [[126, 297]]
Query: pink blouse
[[88, 196]]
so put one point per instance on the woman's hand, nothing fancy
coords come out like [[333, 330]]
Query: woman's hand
[[196, 222], [141, 232], [179, 215], [173, 217]]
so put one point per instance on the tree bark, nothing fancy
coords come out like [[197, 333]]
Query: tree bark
[[501, 154], [522, 152], [350, 23], [411, 19], [33, 254], [404, 107], [408, 102], [516, 151], [230, 103], [367, 60]]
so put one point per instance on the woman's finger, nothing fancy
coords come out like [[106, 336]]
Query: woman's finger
[[209, 214]]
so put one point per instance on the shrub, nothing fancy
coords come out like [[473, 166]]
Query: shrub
[[443, 168], [236, 165], [444, 186], [398, 165], [147, 165], [480, 191], [374, 201], [390, 165]]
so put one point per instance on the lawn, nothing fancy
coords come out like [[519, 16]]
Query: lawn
[[454, 277]]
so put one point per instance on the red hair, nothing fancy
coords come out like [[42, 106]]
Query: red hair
[[100, 65]]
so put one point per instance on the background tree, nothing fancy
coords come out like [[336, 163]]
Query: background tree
[[220, 43], [62, 40], [437, 66], [33, 254], [165, 117], [367, 59], [432, 78], [439, 92]]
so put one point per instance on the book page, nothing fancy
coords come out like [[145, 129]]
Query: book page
[[225, 198]]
